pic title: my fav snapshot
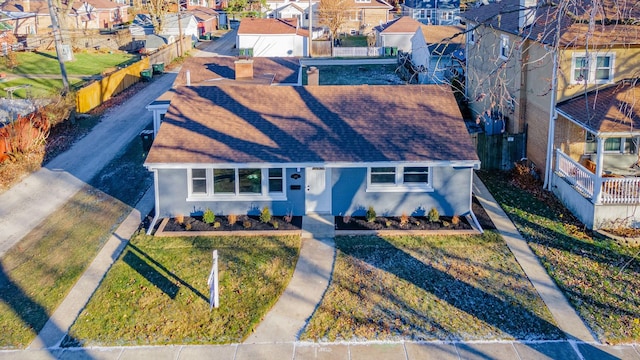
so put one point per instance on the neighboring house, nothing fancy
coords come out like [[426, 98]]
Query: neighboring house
[[437, 53], [188, 25], [297, 150], [224, 70], [287, 9], [98, 14], [154, 42], [272, 38], [433, 12], [364, 15], [27, 17], [207, 19], [397, 33], [567, 99]]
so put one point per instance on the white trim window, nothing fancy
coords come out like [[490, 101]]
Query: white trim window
[[399, 179], [592, 68], [446, 15], [236, 183], [504, 47], [619, 145]]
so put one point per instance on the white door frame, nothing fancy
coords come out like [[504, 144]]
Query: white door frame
[[317, 190]]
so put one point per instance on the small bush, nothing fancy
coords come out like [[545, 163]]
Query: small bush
[[371, 214], [179, 219], [346, 219], [208, 217], [445, 224], [246, 224], [216, 224], [387, 223], [434, 215], [288, 218], [187, 226], [404, 219], [232, 219], [455, 220], [265, 215], [275, 224]]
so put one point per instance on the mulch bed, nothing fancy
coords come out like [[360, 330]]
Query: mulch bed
[[243, 223], [393, 223]]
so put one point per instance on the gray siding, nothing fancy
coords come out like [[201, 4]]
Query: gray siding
[[451, 195], [172, 185]]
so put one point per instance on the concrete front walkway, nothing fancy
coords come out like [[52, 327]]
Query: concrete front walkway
[[565, 316], [286, 320]]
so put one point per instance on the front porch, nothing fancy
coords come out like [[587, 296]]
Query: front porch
[[597, 194]]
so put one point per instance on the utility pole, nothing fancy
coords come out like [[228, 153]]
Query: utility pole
[[310, 26], [179, 29], [57, 39]]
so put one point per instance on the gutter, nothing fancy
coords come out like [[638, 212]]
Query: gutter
[[553, 115], [156, 195]]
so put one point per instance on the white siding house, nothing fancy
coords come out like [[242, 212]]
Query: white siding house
[[271, 38]]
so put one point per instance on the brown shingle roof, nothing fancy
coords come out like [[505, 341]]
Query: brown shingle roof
[[250, 26], [35, 6], [401, 25], [612, 25], [295, 124], [614, 109], [207, 68]]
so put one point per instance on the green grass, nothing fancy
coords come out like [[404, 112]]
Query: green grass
[[40, 270], [39, 87], [600, 277], [84, 63], [429, 288], [357, 75], [157, 292], [353, 40]]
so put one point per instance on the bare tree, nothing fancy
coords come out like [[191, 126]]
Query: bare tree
[[334, 13]]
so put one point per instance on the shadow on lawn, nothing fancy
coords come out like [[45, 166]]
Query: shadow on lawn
[[140, 263], [508, 316]]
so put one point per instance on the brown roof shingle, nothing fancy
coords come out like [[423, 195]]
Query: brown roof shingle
[[327, 124], [613, 109], [208, 68], [615, 22], [251, 26]]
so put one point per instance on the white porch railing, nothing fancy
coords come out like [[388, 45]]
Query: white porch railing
[[340, 51], [615, 190]]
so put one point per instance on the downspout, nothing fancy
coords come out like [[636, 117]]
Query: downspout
[[156, 195], [552, 122]]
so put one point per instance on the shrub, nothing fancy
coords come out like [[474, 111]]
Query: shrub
[[187, 226], [232, 219], [404, 219], [265, 215], [455, 220], [371, 214], [346, 219], [387, 223], [275, 224], [434, 215], [445, 224], [180, 219], [208, 217], [216, 224], [246, 224]]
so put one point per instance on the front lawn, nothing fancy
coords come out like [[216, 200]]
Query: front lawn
[[429, 288], [157, 292], [600, 277]]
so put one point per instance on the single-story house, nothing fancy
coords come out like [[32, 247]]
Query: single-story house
[[433, 52], [397, 33], [207, 19], [188, 25], [316, 149], [27, 17], [272, 38]]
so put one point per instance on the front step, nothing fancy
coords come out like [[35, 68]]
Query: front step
[[319, 226]]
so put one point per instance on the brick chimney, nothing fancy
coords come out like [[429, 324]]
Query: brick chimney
[[244, 69], [313, 76]]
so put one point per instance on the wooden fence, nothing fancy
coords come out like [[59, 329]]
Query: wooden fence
[[96, 93], [500, 151]]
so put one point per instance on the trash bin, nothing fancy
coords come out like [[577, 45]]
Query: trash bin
[[146, 74], [147, 139], [158, 68], [394, 50], [207, 36], [387, 51]]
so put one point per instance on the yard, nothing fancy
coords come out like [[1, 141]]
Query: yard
[[39, 271], [600, 277], [157, 292], [429, 288], [357, 75]]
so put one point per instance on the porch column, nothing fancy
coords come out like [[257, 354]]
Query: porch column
[[597, 184]]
